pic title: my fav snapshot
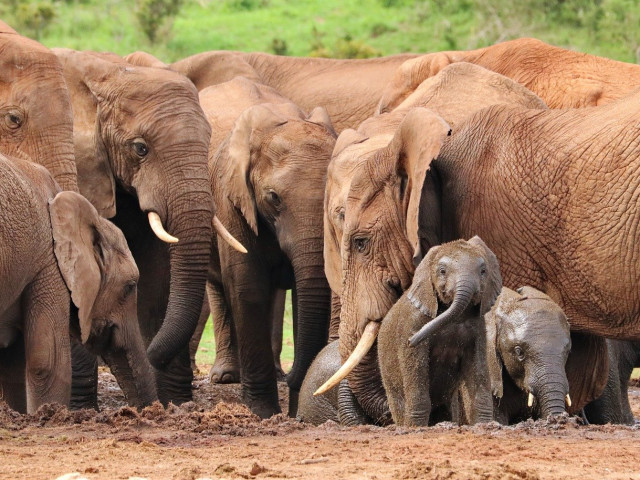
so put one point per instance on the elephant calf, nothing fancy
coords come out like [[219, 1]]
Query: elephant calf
[[528, 343], [453, 287]]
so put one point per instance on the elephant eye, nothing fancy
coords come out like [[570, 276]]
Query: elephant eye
[[128, 289], [442, 270], [140, 148], [483, 270], [519, 353], [13, 120], [274, 199], [360, 244]]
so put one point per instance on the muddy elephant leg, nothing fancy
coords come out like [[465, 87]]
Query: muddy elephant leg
[[350, 412], [226, 367], [46, 340], [12, 386], [197, 335], [277, 319], [84, 377], [417, 406]]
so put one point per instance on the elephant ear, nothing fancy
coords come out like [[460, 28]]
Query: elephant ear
[[320, 116], [494, 279], [415, 144], [79, 251], [422, 293], [346, 138], [494, 361], [87, 77], [243, 141]]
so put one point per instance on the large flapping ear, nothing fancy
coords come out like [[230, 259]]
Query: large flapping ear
[[78, 251], [144, 59], [494, 279], [320, 116], [422, 293], [87, 77], [416, 143], [243, 140], [492, 325]]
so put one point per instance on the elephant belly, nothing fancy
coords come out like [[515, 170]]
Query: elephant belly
[[10, 324]]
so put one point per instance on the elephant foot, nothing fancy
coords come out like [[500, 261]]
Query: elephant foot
[[280, 375], [224, 371], [265, 405], [293, 403], [174, 382]]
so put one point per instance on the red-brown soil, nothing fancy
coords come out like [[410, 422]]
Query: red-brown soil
[[214, 437]]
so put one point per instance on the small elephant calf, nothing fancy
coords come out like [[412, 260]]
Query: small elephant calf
[[528, 342], [453, 287]]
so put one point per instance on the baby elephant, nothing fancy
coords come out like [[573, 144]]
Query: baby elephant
[[452, 289], [528, 343]]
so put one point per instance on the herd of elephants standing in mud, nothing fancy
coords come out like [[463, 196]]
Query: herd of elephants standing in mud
[[458, 230]]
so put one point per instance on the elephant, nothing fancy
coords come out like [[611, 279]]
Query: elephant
[[31, 128], [57, 249], [432, 341], [141, 144], [528, 343], [562, 78], [613, 405], [348, 89], [267, 175], [378, 169]]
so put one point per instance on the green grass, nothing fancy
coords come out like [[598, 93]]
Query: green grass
[[340, 27], [206, 354]]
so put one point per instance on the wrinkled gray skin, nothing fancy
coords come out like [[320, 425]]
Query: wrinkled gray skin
[[528, 342], [453, 287], [613, 405], [54, 243], [338, 404]]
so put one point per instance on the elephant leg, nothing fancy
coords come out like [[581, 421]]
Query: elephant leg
[[415, 365], [586, 384], [226, 367], [12, 385], [350, 412], [46, 340], [277, 319], [197, 335], [84, 377]]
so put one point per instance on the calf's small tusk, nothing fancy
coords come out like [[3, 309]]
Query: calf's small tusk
[[158, 229], [530, 400], [568, 400]]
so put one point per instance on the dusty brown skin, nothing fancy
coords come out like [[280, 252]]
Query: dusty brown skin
[[384, 191], [453, 287], [53, 241], [267, 169], [562, 78], [528, 343], [141, 145], [36, 122]]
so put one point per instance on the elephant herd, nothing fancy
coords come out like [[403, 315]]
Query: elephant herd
[[394, 196]]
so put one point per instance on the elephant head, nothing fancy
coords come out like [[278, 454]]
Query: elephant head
[[143, 129], [36, 122], [274, 177], [528, 338], [101, 275]]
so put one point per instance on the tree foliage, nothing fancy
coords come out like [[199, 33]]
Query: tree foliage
[[152, 15]]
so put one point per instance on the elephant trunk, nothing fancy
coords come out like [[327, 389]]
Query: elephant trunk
[[313, 308], [189, 260], [128, 362], [552, 394], [464, 292]]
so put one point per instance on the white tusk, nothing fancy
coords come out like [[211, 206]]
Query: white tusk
[[530, 401], [568, 400], [364, 345], [226, 236], [158, 229]]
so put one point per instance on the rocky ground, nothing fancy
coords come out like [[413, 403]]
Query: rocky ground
[[215, 437]]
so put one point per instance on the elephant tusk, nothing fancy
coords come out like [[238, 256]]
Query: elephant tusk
[[226, 235], [364, 345], [568, 400], [530, 400], [158, 229]]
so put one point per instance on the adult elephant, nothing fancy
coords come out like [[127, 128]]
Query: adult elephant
[[552, 192], [55, 243], [141, 142], [348, 89], [31, 128], [267, 169], [562, 78]]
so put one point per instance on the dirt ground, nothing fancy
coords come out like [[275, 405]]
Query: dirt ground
[[214, 437]]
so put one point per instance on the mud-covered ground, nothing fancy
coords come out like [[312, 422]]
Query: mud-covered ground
[[214, 437]]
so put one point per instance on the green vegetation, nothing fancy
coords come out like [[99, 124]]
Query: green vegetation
[[173, 29]]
